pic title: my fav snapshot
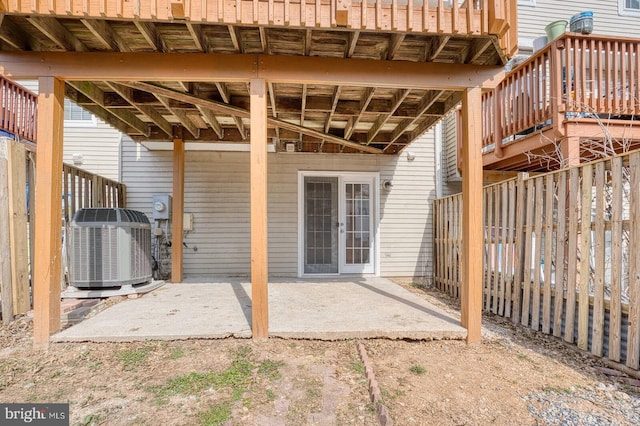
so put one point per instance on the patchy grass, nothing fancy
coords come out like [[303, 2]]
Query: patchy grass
[[176, 353], [215, 415], [417, 369], [357, 366], [134, 357]]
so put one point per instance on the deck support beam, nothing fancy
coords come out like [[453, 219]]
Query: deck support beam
[[258, 158], [48, 241], [471, 295], [177, 207]]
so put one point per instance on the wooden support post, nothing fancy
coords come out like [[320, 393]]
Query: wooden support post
[[177, 207], [471, 295], [259, 264], [48, 226], [570, 148]]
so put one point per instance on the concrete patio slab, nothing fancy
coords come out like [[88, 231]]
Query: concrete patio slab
[[327, 309]]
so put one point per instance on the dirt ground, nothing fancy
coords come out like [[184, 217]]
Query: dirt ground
[[514, 376]]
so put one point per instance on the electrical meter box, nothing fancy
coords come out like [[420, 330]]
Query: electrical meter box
[[161, 207]]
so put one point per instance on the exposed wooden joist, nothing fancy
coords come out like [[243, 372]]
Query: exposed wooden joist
[[242, 113], [425, 124], [436, 47], [364, 103], [241, 128], [394, 45], [425, 103], [150, 34], [308, 39], [272, 99], [196, 34], [210, 117], [382, 119], [208, 67], [223, 91], [96, 94], [352, 43], [478, 47], [234, 34], [336, 97], [264, 42], [103, 32], [149, 111], [98, 111], [57, 33], [11, 34], [181, 116]]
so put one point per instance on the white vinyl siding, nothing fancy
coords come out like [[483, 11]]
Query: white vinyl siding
[[94, 141], [606, 17], [217, 194]]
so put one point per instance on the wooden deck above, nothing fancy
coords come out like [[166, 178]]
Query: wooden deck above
[[315, 116], [576, 100]]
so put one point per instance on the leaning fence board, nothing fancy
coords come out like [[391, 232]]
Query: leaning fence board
[[537, 253], [559, 259], [548, 245], [574, 185], [517, 277], [633, 345], [585, 257], [526, 281], [597, 337], [5, 242], [615, 308], [18, 227]]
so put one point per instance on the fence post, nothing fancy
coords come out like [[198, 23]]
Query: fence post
[[519, 233]]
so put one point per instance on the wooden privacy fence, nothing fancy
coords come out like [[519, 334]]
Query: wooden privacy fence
[[17, 183], [561, 254]]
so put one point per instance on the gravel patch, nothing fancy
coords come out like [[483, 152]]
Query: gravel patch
[[599, 405]]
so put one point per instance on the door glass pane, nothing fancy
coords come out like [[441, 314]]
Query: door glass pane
[[320, 220], [357, 223]]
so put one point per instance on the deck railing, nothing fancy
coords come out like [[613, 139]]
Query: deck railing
[[574, 77], [18, 109], [496, 17]]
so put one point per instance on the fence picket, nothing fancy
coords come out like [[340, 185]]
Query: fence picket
[[548, 245], [537, 253], [574, 185], [488, 249], [509, 269], [597, 336], [561, 220], [517, 278], [526, 285], [496, 252], [585, 251], [503, 248], [633, 344], [615, 308]]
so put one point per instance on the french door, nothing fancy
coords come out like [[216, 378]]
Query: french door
[[337, 224]]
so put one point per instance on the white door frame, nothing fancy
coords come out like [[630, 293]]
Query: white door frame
[[375, 178]]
